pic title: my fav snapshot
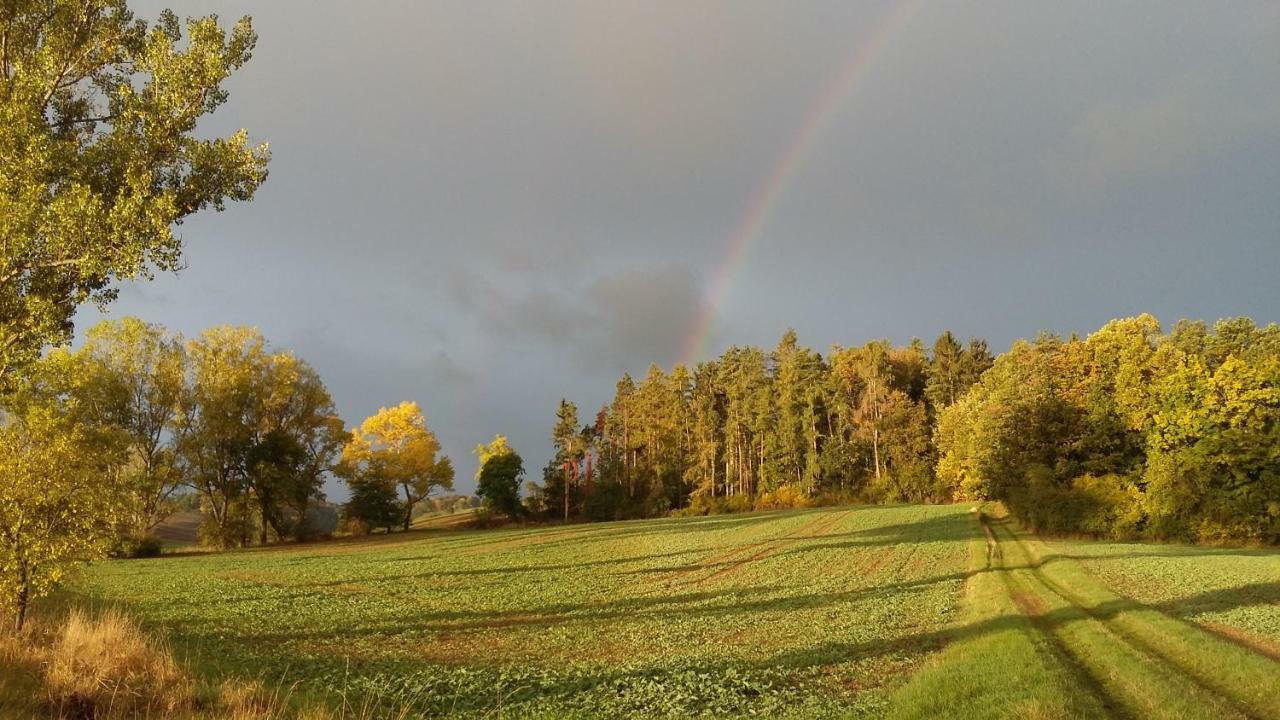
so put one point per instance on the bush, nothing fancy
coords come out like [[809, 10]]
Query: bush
[[835, 498], [1115, 508], [704, 505], [787, 496], [1049, 509], [128, 546], [320, 524], [1109, 506], [148, 547], [354, 526]]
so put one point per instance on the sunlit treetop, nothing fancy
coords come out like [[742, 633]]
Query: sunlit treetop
[[100, 157]]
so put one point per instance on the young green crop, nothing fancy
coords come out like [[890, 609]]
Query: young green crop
[[802, 613], [906, 611], [1042, 636]]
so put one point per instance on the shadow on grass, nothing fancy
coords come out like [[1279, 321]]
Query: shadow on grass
[[756, 602]]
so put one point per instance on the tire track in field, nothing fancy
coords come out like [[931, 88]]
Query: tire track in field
[[1137, 641], [1244, 638], [717, 559], [534, 539], [814, 528], [1051, 644], [1034, 591], [727, 555]]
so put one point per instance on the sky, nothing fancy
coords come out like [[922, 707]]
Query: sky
[[485, 207]]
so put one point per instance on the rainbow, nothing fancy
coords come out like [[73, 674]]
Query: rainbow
[[854, 69]]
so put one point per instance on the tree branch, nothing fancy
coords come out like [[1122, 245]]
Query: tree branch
[[67, 122], [19, 270], [84, 27]]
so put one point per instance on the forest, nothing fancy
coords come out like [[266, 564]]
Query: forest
[[1129, 432], [764, 429]]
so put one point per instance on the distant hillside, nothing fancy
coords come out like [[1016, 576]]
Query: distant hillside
[[180, 528], [444, 521]]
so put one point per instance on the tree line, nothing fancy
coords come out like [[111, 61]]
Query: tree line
[[1131, 432], [250, 430], [762, 429], [1128, 433], [99, 445]]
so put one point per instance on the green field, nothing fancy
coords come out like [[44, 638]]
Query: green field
[[836, 612]]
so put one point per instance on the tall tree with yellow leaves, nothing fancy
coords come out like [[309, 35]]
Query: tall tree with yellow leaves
[[395, 447]]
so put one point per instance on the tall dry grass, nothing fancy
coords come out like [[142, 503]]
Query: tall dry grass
[[105, 667]]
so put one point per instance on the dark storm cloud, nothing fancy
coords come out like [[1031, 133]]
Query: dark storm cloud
[[605, 327], [488, 206], [645, 313]]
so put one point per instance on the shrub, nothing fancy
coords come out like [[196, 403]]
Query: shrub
[[787, 496], [1115, 506], [354, 526], [1049, 509], [148, 547], [833, 498], [129, 546]]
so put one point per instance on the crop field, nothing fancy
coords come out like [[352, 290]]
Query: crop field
[[1077, 629], [907, 611], [803, 613], [1234, 592]]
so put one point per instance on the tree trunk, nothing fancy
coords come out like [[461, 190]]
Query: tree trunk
[[24, 598], [564, 469], [875, 448], [408, 509]]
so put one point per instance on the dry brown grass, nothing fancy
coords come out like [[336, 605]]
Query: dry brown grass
[[106, 666]]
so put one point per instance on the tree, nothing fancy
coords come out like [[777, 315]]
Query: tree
[[217, 425], [797, 372], [60, 503], [570, 450], [976, 360], [785, 424], [374, 504], [498, 476], [1128, 432], [298, 438], [101, 158], [254, 427], [274, 466], [395, 447], [945, 372], [130, 375], [865, 376], [705, 431]]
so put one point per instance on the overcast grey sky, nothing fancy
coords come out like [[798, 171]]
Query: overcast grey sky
[[485, 206]]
